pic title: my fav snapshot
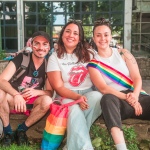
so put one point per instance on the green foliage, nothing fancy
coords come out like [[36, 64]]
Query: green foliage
[[130, 137], [102, 140], [145, 145], [23, 147], [2, 54]]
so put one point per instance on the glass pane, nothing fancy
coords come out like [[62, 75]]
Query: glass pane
[[117, 6], [44, 7], [44, 19], [102, 6], [145, 42], [56, 31], [30, 19], [29, 30], [73, 16], [145, 38], [87, 31], [10, 7], [11, 44], [72, 7], [88, 19], [136, 28], [58, 19], [87, 6], [145, 47], [30, 6], [11, 31], [44, 28], [146, 17], [135, 38], [101, 15], [58, 6], [145, 28], [10, 19], [136, 48], [2, 30], [117, 34], [136, 17], [117, 18]]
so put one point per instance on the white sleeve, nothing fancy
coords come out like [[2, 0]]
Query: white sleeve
[[53, 64]]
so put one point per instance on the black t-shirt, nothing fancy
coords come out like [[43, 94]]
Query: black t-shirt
[[27, 79]]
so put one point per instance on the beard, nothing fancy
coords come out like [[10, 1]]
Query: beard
[[38, 56]]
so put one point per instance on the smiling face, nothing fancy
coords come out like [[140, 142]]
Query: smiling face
[[70, 37], [40, 46], [102, 37]]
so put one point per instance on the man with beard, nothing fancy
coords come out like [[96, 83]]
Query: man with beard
[[30, 88]]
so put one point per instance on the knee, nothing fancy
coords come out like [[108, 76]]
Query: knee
[[45, 102], [107, 99], [2, 96], [93, 96], [75, 110]]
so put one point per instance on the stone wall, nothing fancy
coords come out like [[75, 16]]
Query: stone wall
[[3, 65], [144, 66]]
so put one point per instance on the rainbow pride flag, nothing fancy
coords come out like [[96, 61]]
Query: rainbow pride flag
[[55, 128], [113, 74]]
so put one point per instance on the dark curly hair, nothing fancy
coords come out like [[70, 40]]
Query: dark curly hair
[[81, 50]]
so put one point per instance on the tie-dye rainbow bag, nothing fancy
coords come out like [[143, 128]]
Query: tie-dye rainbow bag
[[56, 124]]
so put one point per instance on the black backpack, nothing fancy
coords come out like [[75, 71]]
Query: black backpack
[[23, 67]]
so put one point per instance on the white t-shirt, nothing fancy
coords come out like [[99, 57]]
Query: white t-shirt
[[117, 62], [74, 75]]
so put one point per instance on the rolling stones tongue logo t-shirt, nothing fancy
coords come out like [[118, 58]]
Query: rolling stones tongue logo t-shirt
[[74, 75], [77, 75]]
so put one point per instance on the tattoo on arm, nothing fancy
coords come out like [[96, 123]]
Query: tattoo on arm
[[129, 56]]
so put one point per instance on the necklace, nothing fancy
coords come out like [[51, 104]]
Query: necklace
[[36, 72]]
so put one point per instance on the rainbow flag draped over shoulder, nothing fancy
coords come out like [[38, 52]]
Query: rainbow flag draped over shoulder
[[113, 74]]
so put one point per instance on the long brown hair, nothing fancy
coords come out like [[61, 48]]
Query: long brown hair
[[80, 51]]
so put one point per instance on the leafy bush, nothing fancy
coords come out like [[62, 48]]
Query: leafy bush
[[2, 54], [102, 140]]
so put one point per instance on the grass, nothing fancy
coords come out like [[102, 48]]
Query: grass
[[23, 147], [101, 140]]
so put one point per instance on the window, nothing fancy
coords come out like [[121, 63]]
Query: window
[[8, 28], [51, 16], [141, 34]]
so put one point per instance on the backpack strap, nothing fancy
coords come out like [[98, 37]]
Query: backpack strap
[[22, 68]]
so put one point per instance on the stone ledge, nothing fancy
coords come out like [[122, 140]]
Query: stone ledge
[[142, 127]]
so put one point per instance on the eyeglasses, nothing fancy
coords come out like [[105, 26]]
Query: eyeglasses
[[73, 20]]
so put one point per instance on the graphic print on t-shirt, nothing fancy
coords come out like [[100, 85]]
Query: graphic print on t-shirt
[[30, 82], [77, 75]]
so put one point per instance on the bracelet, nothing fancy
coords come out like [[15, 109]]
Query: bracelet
[[16, 95]]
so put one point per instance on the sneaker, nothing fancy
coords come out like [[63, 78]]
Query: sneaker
[[21, 137], [8, 139]]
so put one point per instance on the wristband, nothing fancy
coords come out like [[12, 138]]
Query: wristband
[[16, 95]]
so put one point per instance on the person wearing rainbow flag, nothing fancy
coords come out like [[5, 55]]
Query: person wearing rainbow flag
[[116, 75]]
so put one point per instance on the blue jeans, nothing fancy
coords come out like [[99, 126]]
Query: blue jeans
[[79, 122]]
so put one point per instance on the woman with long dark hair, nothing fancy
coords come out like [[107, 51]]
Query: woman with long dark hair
[[69, 77]]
